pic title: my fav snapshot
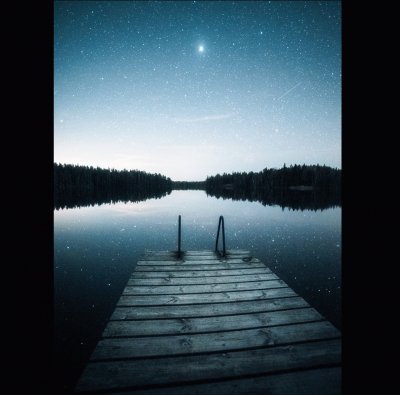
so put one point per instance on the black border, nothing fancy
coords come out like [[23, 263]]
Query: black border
[[30, 209], [364, 268]]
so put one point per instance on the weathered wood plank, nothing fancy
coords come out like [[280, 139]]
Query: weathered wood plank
[[185, 262], [195, 258], [184, 369], [325, 381], [214, 273], [202, 280], [212, 342], [194, 252], [149, 300], [206, 310], [187, 267], [210, 324], [188, 289]]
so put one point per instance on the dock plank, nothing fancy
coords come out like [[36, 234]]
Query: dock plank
[[140, 347], [185, 369], [325, 381], [196, 267], [149, 300], [203, 257], [194, 252], [203, 288], [202, 280], [192, 274], [210, 324], [184, 262], [207, 310]]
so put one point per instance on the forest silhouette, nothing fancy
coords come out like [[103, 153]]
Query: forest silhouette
[[76, 186], [298, 187]]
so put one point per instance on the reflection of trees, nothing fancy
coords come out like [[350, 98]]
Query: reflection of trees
[[292, 199], [296, 187], [76, 186], [73, 200]]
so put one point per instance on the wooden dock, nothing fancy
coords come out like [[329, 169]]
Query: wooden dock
[[204, 324]]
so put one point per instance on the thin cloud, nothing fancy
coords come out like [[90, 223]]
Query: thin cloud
[[205, 118]]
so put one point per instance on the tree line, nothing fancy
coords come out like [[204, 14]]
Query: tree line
[[294, 177], [298, 186], [76, 185]]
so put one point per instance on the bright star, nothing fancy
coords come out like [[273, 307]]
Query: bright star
[[201, 48]]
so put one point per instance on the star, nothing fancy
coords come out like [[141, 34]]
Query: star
[[201, 48]]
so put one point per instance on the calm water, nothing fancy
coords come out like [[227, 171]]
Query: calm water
[[96, 249]]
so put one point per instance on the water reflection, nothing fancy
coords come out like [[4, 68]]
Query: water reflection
[[75, 200], [291, 199], [285, 198]]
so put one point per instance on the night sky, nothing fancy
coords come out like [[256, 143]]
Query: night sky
[[195, 88]]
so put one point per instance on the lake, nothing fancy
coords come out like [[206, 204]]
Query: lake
[[96, 249]]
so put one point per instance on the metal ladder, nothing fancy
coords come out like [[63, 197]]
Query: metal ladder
[[221, 225]]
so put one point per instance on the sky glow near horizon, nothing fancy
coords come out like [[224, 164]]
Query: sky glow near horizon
[[191, 89]]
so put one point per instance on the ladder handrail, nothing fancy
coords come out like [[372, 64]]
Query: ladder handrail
[[221, 221], [179, 235]]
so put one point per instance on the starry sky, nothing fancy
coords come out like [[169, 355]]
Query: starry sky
[[190, 89]]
